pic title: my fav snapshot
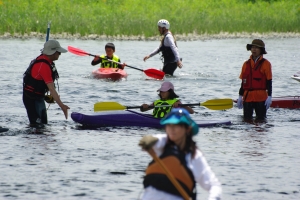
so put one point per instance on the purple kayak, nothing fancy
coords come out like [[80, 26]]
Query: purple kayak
[[123, 118]]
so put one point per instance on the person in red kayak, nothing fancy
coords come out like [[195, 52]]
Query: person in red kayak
[[168, 47], [168, 99], [103, 59], [256, 87], [178, 152], [39, 79]]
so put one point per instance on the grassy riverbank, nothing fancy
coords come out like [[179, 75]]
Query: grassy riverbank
[[139, 17]]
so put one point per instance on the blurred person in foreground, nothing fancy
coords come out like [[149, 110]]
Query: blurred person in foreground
[[178, 151]]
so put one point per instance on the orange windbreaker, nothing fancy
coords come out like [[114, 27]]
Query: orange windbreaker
[[257, 95]]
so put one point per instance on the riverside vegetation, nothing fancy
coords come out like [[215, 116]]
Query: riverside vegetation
[[139, 17]]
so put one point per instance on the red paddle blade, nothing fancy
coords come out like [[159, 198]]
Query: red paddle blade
[[76, 51], [154, 73]]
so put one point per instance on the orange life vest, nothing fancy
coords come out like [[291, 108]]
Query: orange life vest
[[252, 78], [175, 162]]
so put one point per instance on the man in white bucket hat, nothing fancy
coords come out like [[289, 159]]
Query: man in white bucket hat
[[38, 80]]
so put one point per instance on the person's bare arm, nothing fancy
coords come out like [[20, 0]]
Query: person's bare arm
[[57, 99]]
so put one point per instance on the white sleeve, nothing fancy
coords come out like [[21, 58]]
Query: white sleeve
[[169, 42], [160, 144], [156, 51], [205, 176]]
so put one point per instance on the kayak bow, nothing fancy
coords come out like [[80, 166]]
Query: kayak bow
[[109, 73]]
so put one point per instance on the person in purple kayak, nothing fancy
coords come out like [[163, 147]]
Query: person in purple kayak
[[168, 100], [168, 47], [183, 160]]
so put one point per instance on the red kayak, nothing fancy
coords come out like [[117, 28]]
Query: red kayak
[[291, 102], [109, 73]]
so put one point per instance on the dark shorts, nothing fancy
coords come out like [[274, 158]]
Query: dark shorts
[[169, 68], [258, 107], [36, 109]]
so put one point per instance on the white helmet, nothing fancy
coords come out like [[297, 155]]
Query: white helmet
[[163, 23]]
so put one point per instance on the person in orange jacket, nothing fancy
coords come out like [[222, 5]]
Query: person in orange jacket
[[256, 87]]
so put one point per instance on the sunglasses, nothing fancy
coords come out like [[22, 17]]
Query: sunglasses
[[58, 52]]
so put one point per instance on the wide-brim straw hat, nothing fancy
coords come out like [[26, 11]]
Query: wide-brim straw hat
[[258, 43]]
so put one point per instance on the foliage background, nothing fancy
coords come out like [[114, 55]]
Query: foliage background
[[139, 17]]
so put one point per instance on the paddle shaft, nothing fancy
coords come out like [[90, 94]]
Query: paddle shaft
[[169, 174], [213, 104], [191, 104], [48, 31], [115, 62]]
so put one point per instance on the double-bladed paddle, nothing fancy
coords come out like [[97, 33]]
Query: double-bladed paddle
[[213, 104], [153, 73]]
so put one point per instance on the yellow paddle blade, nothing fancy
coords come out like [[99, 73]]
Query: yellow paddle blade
[[105, 106], [218, 104]]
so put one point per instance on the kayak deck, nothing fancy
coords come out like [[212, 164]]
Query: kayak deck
[[127, 118], [109, 73]]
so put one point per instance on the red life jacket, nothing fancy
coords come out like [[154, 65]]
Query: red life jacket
[[38, 87], [252, 78]]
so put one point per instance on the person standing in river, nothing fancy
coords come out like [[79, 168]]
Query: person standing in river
[[168, 47], [38, 80], [256, 87]]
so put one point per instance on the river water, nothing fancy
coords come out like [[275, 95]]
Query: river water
[[252, 160]]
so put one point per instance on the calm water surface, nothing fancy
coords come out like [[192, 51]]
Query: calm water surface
[[252, 160]]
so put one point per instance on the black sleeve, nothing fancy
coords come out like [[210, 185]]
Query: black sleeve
[[120, 66], [241, 91], [269, 87], [96, 62]]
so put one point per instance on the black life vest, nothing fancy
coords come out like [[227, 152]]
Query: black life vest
[[174, 160], [34, 86], [167, 52], [252, 78]]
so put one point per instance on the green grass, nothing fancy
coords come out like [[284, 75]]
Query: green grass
[[139, 17]]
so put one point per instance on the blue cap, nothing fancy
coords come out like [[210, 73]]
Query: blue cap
[[180, 116]]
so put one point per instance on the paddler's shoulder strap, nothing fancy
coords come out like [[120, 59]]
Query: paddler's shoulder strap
[[42, 60], [259, 63], [163, 39], [34, 61]]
